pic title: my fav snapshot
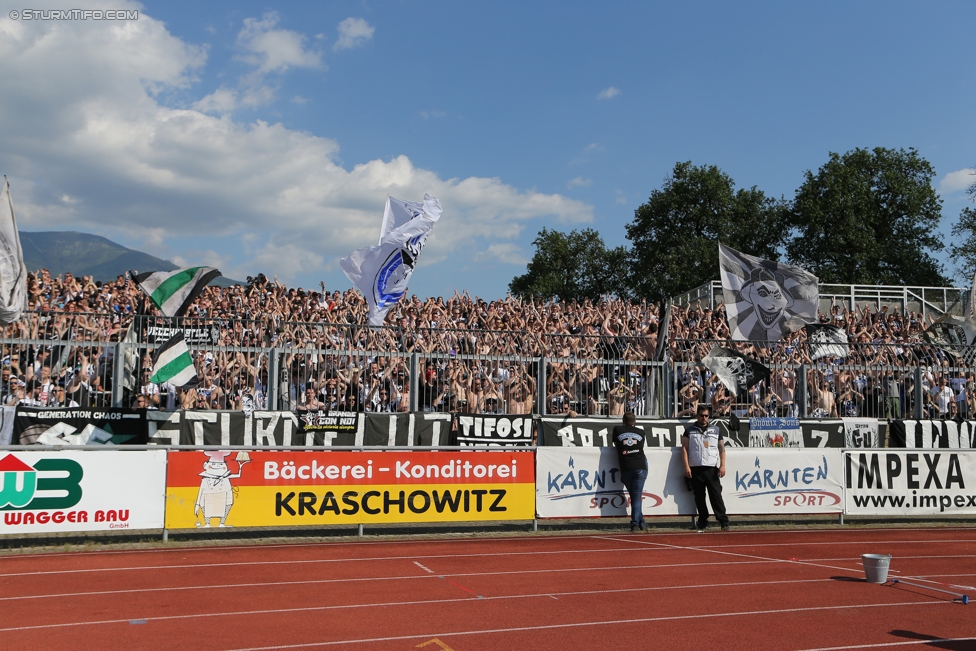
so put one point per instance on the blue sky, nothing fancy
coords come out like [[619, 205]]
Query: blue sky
[[265, 138]]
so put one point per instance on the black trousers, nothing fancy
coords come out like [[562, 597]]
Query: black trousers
[[705, 479]]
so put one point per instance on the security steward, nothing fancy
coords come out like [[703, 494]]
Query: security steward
[[703, 452], [629, 441]]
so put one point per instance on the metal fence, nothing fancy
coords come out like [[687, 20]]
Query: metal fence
[[84, 360], [922, 300]]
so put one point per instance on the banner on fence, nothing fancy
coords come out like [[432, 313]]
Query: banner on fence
[[328, 428], [775, 433], [860, 432], [582, 482], [158, 333], [824, 433], [931, 434], [283, 488], [595, 432], [773, 480], [81, 490], [585, 482], [492, 430], [409, 429], [68, 427], [910, 483]]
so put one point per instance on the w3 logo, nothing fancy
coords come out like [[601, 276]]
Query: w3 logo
[[19, 483]]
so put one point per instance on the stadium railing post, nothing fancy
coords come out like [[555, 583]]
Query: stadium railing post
[[414, 381], [541, 398], [274, 359], [918, 393], [802, 388], [118, 374]]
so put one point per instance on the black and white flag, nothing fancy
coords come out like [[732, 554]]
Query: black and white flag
[[13, 272], [765, 300], [955, 335], [736, 371], [826, 341]]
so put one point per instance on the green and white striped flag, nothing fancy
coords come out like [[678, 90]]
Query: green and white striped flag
[[174, 291], [172, 363]]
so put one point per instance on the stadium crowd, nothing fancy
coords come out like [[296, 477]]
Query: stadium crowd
[[477, 355]]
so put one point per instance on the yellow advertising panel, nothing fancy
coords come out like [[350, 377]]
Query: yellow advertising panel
[[276, 489]]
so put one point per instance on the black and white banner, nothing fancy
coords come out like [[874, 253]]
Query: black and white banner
[[861, 433], [822, 433], [405, 430], [931, 434], [162, 330], [902, 482], [79, 427], [826, 341], [595, 432], [492, 431], [324, 428], [736, 371]]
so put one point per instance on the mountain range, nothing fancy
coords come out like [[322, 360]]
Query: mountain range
[[84, 254]]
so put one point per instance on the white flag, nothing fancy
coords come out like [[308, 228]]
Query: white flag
[[397, 213], [765, 300], [13, 274], [969, 309], [382, 272]]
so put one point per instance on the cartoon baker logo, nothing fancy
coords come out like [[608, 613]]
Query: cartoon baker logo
[[216, 495]]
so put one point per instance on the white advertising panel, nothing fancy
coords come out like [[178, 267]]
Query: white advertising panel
[[585, 482], [81, 490], [923, 482], [783, 481]]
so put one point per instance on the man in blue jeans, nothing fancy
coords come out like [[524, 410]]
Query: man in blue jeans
[[629, 440]]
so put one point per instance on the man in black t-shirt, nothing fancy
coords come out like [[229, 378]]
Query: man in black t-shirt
[[629, 442]]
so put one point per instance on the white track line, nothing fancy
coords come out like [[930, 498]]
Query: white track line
[[425, 541], [303, 609], [518, 629], [371, 559], [759, 558], [883, 645], [376, 578]]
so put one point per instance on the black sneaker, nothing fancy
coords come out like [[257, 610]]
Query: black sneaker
[[725, 526], [702, 529], [633, 528]]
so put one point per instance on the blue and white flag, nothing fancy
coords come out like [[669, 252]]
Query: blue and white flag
[[382, 272]]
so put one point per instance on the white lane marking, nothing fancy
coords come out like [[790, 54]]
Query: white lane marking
[[545, 627], [489, 539], [303, 609], [372, 559], [883, 645], [373, 578], [761, 558], [424, 567]]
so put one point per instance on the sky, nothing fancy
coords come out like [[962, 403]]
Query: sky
[[266, 138]]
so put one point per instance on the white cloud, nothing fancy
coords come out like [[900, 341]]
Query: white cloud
[[608, 93], [275, 199], [505, 252], [579, 182], [353, 32], [274, 50], [957, 181]]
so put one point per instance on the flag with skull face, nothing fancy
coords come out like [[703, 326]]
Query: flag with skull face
[[826, 341], [736, 371], [765, 300]]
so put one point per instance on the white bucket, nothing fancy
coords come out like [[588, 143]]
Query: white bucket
[[876, 567]]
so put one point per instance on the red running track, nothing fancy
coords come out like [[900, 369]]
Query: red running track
[[739, 590]]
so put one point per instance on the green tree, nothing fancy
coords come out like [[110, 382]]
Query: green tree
[[963, 250], [675, 235], [572, 266], [869, 217]]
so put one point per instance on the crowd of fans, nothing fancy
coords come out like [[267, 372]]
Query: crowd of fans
[[476, 356]]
